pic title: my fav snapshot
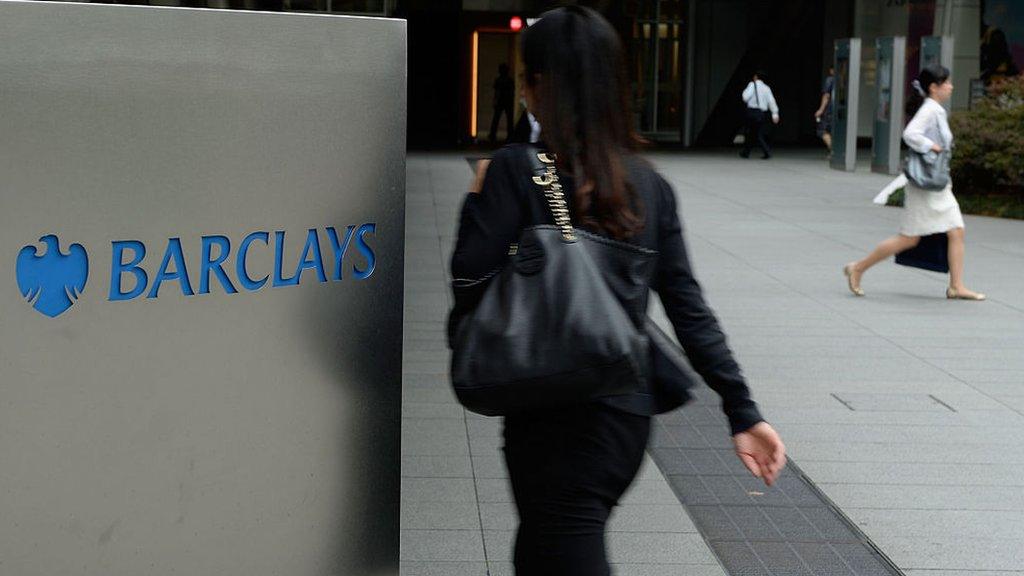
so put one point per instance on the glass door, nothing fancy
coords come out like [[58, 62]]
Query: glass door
[[658, 51]]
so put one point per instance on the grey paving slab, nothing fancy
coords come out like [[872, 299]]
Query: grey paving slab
[[421, 332], [934, 416], [946, 474], [484, 445], [930, 498], [990, 374], [658, 548], [428, 395], [959, 555], [873, 452], [498, 516], [650, 492], [1007, 393], [412, 355], [493, 490], [441, 545], [438, 366], [996, 525], [961, 573], [433, 437], [629, 517], [440, 515], [489, 467], [899, 434], [438, 490], [1015, 402], [792, 389], [436, 467], [443, 569], [428, 444], [423, 410], [413, 380]]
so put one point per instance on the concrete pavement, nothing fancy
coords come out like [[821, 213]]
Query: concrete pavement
[[904, 408]]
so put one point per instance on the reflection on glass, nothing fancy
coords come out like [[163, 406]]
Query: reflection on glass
[[842, 91], [658, 54], [884, 87]]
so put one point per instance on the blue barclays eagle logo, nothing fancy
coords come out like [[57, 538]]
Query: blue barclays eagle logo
[[53, 281]]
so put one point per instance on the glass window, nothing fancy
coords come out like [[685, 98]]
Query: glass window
[[658, 56]]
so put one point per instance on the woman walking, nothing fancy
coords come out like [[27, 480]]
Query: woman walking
[[569, 465], [925, 212]]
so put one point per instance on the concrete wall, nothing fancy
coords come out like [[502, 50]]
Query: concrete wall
[[213, 425], [719, 45]]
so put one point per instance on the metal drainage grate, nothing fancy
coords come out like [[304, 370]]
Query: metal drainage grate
[[790, 529]]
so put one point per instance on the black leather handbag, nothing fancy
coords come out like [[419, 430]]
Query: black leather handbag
[[561, 323], [671, 376]]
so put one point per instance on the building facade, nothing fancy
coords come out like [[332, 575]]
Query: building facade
[[688, 60]]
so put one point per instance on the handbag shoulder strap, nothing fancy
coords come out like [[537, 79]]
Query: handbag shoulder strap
[[546, 176]]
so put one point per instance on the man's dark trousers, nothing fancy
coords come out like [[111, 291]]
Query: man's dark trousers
[[757, 127], [502, 108]]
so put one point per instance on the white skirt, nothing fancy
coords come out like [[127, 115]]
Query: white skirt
[[926, 212]]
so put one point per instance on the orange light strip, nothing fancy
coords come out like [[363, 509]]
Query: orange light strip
[[473, 85]]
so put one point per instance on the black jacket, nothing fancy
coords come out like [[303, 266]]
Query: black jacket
[[510, 201]]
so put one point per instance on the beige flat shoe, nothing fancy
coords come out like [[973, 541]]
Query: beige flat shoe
[[848, 272], [954, 295]]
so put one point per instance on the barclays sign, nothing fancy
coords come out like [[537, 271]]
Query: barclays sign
[[52, 280], [202, 225]]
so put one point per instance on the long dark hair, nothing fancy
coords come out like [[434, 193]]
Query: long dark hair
[[930, 74], [574, 61]]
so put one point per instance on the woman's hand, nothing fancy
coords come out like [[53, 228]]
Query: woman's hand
[[936, 148], [481, 172], [761, 451]]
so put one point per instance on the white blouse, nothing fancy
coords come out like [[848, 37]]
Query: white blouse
[[928, 127]]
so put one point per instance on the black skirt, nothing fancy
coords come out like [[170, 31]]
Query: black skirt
[[931, 253]]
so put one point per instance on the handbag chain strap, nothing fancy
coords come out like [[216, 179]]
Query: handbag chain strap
[[556, 198]]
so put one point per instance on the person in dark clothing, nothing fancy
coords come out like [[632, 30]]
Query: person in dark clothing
[[823, 115], [996, 59], [504, 102], [569, 466]]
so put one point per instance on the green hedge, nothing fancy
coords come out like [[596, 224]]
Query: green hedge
[[998, 205], [988, 154]]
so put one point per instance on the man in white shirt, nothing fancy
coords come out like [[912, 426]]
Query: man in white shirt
[[760, 103]]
